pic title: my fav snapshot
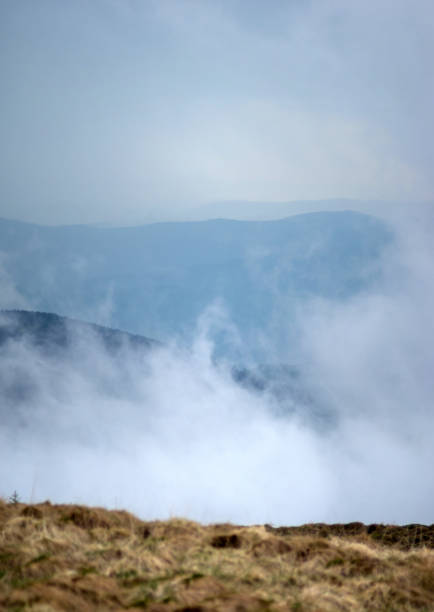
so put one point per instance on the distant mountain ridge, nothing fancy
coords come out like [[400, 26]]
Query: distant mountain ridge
[[157, 280]]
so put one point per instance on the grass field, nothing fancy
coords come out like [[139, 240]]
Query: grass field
[[66, 557]]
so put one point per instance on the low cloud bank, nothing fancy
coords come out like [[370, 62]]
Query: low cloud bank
[[171, 433]]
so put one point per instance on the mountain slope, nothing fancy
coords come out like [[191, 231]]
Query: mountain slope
[[51, 332], [53, 338], [46, 358]]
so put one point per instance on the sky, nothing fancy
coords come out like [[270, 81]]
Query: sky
[[124, 111]]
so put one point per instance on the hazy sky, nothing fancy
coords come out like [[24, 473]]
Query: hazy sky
[[118, 111]]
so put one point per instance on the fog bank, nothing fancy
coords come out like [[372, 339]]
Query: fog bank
[[171, 433]]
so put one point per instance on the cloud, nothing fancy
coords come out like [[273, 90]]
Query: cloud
[[373, 359], [171, 436], [271, 150]]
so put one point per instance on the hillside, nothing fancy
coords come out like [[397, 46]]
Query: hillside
[[76, 558], [51, 337]]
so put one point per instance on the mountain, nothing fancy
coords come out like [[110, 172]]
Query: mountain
[[53, 339], [258, 210], [45, 357], [49, 332], [157, 280]]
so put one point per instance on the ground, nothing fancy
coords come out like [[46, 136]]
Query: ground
[[68, 557]]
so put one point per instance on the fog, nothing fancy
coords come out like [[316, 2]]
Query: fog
[[170, 433]]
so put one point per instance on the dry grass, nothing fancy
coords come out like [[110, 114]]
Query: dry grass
[[78, 558]]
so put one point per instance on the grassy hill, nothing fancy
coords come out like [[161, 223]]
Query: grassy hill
[[66, 557]]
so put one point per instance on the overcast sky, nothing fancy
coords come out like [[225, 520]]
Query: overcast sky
[[121, 111]]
